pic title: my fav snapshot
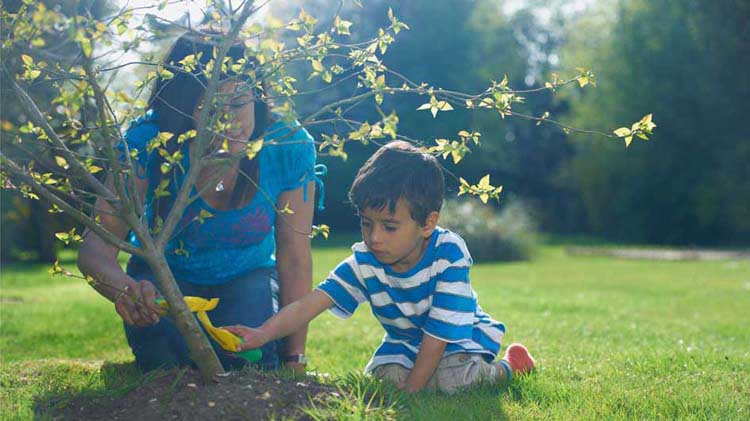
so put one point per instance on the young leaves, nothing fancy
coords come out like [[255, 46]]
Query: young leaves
[[642, 129], [484, 189], [434, 106], [322, 229], [252, 148], [69, 237]]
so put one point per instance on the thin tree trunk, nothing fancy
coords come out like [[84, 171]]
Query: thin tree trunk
[[201, 351]]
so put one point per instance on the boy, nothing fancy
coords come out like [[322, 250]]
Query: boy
[[415, 276]]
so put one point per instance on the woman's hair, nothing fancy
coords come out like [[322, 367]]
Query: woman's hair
[[174, 101]]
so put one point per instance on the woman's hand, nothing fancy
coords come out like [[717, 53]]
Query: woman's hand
[[136, 304], [252, 338]]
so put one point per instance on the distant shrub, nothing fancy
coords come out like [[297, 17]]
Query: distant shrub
[[492, 235]]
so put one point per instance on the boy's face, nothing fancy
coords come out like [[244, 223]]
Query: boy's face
[[395, 238]]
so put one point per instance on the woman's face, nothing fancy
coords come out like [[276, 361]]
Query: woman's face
[[239, 109]]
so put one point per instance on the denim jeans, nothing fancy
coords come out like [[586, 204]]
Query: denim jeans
[[247, 300]]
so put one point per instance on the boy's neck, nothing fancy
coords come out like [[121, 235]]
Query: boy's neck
[[404, 266]]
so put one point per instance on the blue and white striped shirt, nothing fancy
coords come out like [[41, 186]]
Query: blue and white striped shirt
[[434, 298]]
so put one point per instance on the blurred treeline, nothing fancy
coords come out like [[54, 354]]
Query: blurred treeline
[[684, 61]]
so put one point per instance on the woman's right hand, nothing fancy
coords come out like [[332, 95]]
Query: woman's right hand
[[136, 304]]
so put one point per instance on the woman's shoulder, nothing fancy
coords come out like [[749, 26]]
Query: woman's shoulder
[[141, 130], [290, 148], [287, 133]]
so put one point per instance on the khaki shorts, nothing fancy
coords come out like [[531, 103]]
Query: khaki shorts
[[454, 372]]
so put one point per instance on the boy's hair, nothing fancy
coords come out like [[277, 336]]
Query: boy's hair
[[399, 170]]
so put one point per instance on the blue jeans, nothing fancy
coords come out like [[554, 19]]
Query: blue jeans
[[247, 300]]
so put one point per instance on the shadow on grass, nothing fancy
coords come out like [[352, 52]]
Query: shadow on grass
[[118, 390], [111, 380]]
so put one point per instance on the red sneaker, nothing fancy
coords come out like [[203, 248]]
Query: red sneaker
[[519, 358]]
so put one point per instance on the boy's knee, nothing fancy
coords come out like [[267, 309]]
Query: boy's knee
[[395, 373], [459, 371]]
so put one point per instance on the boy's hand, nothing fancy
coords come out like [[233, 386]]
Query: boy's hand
[[253, 338], [408, 387]]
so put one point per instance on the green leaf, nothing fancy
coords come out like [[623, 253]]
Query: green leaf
[[252, 148], [485, 181], [187, 135], [62, 162], [287, 210], [165, 74], [323, 230], [161, 190], [341, 26], [203, 215], [165, 136], [622, 132]]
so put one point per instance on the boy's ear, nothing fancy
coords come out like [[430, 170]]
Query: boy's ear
[[430, 224]]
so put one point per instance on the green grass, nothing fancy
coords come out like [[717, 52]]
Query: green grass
[[613, 338]]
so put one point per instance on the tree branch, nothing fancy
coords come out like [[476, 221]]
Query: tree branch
[[199, 150], [79, 216], [36, 116]]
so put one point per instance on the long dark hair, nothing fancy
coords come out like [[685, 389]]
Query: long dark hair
[[174, 100]]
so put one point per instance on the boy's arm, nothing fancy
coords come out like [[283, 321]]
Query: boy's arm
[[428, 358], [288, 320]]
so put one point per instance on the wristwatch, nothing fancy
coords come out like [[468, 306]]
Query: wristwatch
[[295, 358]]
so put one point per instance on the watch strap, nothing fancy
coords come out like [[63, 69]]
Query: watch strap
[[295, 358]]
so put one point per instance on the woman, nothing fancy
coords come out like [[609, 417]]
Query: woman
[[238, 253]]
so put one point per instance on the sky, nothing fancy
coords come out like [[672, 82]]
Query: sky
[[175, 9], [194, 7]]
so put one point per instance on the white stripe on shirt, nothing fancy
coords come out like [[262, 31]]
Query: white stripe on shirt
[[457, 318], [401, 322], [353, 291], [456, 288], [382, 299]]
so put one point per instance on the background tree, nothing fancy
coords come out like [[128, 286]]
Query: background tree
[[683, 60]]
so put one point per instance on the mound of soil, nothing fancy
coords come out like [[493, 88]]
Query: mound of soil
[[180, 395]]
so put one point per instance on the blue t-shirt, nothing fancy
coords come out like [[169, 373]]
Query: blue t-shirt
[[232, 242], [433, 298]]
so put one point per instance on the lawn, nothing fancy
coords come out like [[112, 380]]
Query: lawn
[[613, 339]]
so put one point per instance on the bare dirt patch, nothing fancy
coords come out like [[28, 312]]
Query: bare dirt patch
[[180, 394]]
